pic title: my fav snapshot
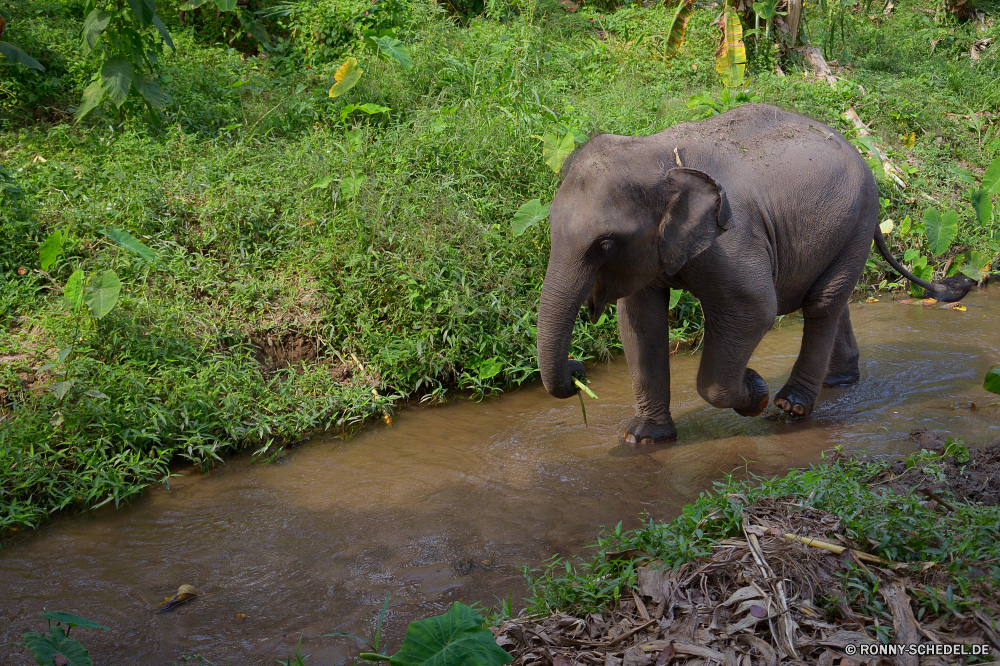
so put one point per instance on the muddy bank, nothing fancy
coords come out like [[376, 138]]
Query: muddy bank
[[450, 502]]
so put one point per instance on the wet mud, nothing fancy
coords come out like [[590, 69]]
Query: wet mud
[[451, 501]]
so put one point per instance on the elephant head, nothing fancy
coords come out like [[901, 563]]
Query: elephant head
[[622, 217]]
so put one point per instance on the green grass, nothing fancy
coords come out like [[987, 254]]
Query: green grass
[[419, 276], [900, 528]]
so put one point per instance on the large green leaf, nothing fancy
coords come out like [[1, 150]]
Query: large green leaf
[[395, 49], [941, 229], [731, 56], [225, 5], [130, 243], [73, 291], [15, 54], [992, 382], [116, 73], [51, 249], [455, 638], [95, 23], [163, 31], [678, 26], [92, 96], [150, 90], [991, 179], [102, 293], [556, 148], [144, 10], [71, 620], [46, 649], [975, 264], [189, 5], [528, 215], [983, 206], [675, 298]]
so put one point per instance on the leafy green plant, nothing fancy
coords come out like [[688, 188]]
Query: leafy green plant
[[56, 648], [528, 215], [457, 638], [992, 381], [14, 55], [128, 36], [704, 105], [678, 27], [226, 20]]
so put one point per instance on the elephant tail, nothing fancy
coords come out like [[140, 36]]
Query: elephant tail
[[948, 290]]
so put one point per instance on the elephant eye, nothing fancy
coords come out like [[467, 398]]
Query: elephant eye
[[606, 246]]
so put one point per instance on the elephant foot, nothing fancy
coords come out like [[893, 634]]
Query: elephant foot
[[756, 388], [835, 379], [640, 432], [795, 400]]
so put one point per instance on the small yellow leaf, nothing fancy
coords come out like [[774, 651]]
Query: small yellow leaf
[[910, 140], [887, 227], [346, 77], [959, 307], [871, 299]]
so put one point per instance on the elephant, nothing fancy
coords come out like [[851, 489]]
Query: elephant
[[757, 212]]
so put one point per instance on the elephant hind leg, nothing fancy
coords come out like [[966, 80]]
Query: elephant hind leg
[[827, 330], [843, 369]]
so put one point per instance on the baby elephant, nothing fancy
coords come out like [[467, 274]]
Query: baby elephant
[[757, 212]]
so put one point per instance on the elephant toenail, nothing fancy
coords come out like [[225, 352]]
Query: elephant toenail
[[630, 438], [798, 410], [646, 441]]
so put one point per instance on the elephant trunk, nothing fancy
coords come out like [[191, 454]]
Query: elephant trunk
[[563, 293]]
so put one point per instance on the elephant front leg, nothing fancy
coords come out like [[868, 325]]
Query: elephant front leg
[[645, 330], [731, 335]]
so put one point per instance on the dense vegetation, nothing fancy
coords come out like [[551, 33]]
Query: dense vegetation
[[314, 259]]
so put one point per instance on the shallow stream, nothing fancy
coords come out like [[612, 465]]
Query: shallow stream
[[451, 501]]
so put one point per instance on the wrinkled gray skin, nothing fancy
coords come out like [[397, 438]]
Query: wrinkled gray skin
[[771, 212]]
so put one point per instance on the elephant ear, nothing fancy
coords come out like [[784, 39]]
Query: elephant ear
[[696, 213]]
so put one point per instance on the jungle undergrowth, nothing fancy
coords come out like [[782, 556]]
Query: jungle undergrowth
[[414, 288]]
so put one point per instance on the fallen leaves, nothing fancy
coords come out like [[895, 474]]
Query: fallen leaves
[[184, 594]]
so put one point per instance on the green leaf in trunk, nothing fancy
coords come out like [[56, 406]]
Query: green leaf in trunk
[[116, 73], [457, 637], [528, 215], [395, 49], [675, 298], [102, 294], [941, 229]]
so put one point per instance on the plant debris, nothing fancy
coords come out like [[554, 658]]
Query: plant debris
[[765, 599]]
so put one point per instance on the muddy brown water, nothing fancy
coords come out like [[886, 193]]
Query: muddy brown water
[[451, 501]]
